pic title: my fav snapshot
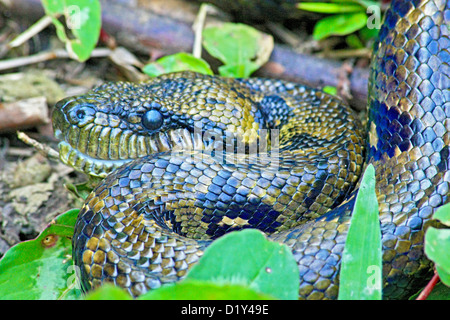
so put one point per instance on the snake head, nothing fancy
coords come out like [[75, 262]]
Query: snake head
[[106, 128], [118, 122]]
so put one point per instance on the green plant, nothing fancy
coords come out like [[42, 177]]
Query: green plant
[[177, 62], [346, 17], [41, 268], [241, 48], [360, 275], [261, 269], [83, 18], [437, 244]]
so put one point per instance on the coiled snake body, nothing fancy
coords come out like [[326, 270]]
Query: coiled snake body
[[214, 155]]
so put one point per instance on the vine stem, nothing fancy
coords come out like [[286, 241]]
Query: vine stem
[[429, 287]]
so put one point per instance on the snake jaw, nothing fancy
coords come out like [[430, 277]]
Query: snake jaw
[[86, 164]]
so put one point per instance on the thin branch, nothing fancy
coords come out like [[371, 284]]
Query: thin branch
[[198, 28], [45, 56], [41, 148], [37, 27]]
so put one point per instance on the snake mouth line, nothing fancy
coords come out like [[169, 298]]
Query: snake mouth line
[[84, 163]]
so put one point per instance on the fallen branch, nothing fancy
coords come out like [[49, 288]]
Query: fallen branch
[[23, 113], [45, 56], [145, 31]]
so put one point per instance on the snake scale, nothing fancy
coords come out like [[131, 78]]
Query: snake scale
[[188, 157]]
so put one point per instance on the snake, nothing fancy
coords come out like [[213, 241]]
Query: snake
[[185, 158]]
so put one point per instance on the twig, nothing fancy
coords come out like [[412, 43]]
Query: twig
[[346, 53], [37, 27], [429, 287], [42, 148], [197, 26], [285, 34], [45, 56]]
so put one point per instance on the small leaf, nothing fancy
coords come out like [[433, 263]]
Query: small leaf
[[83, 18], [353, 41], [265, 266], [80, 190], [330, 90], [340, 24], [437, 244], [367, 34], [241, 48], [203, 290], [177, 62], [42, 268], [325, 7], [361, 267]]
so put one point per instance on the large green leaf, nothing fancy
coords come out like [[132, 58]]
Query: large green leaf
[[241, 265], [204, 290], [185, 290], [42, 268], [247, 258], [361, 267]]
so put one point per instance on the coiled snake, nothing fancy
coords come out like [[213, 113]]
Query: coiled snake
[[214, 155]]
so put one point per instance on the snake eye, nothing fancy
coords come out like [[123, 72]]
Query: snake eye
[[152, 119], [81, 114]]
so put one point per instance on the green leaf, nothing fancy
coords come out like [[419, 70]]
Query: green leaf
[[325, 7], [241, 70], [42, 268], [353, 41], [241, 48], [80, 190], [83, 18], [340, 24], [204, 290], [443, 214], [261, 269], [108, 292], [330, 90], [367, 34], [265, 266], [437, 244], [361, 267], [177, 62], [439, 292]]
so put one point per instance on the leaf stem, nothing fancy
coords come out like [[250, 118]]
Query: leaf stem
[[429, 287]]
